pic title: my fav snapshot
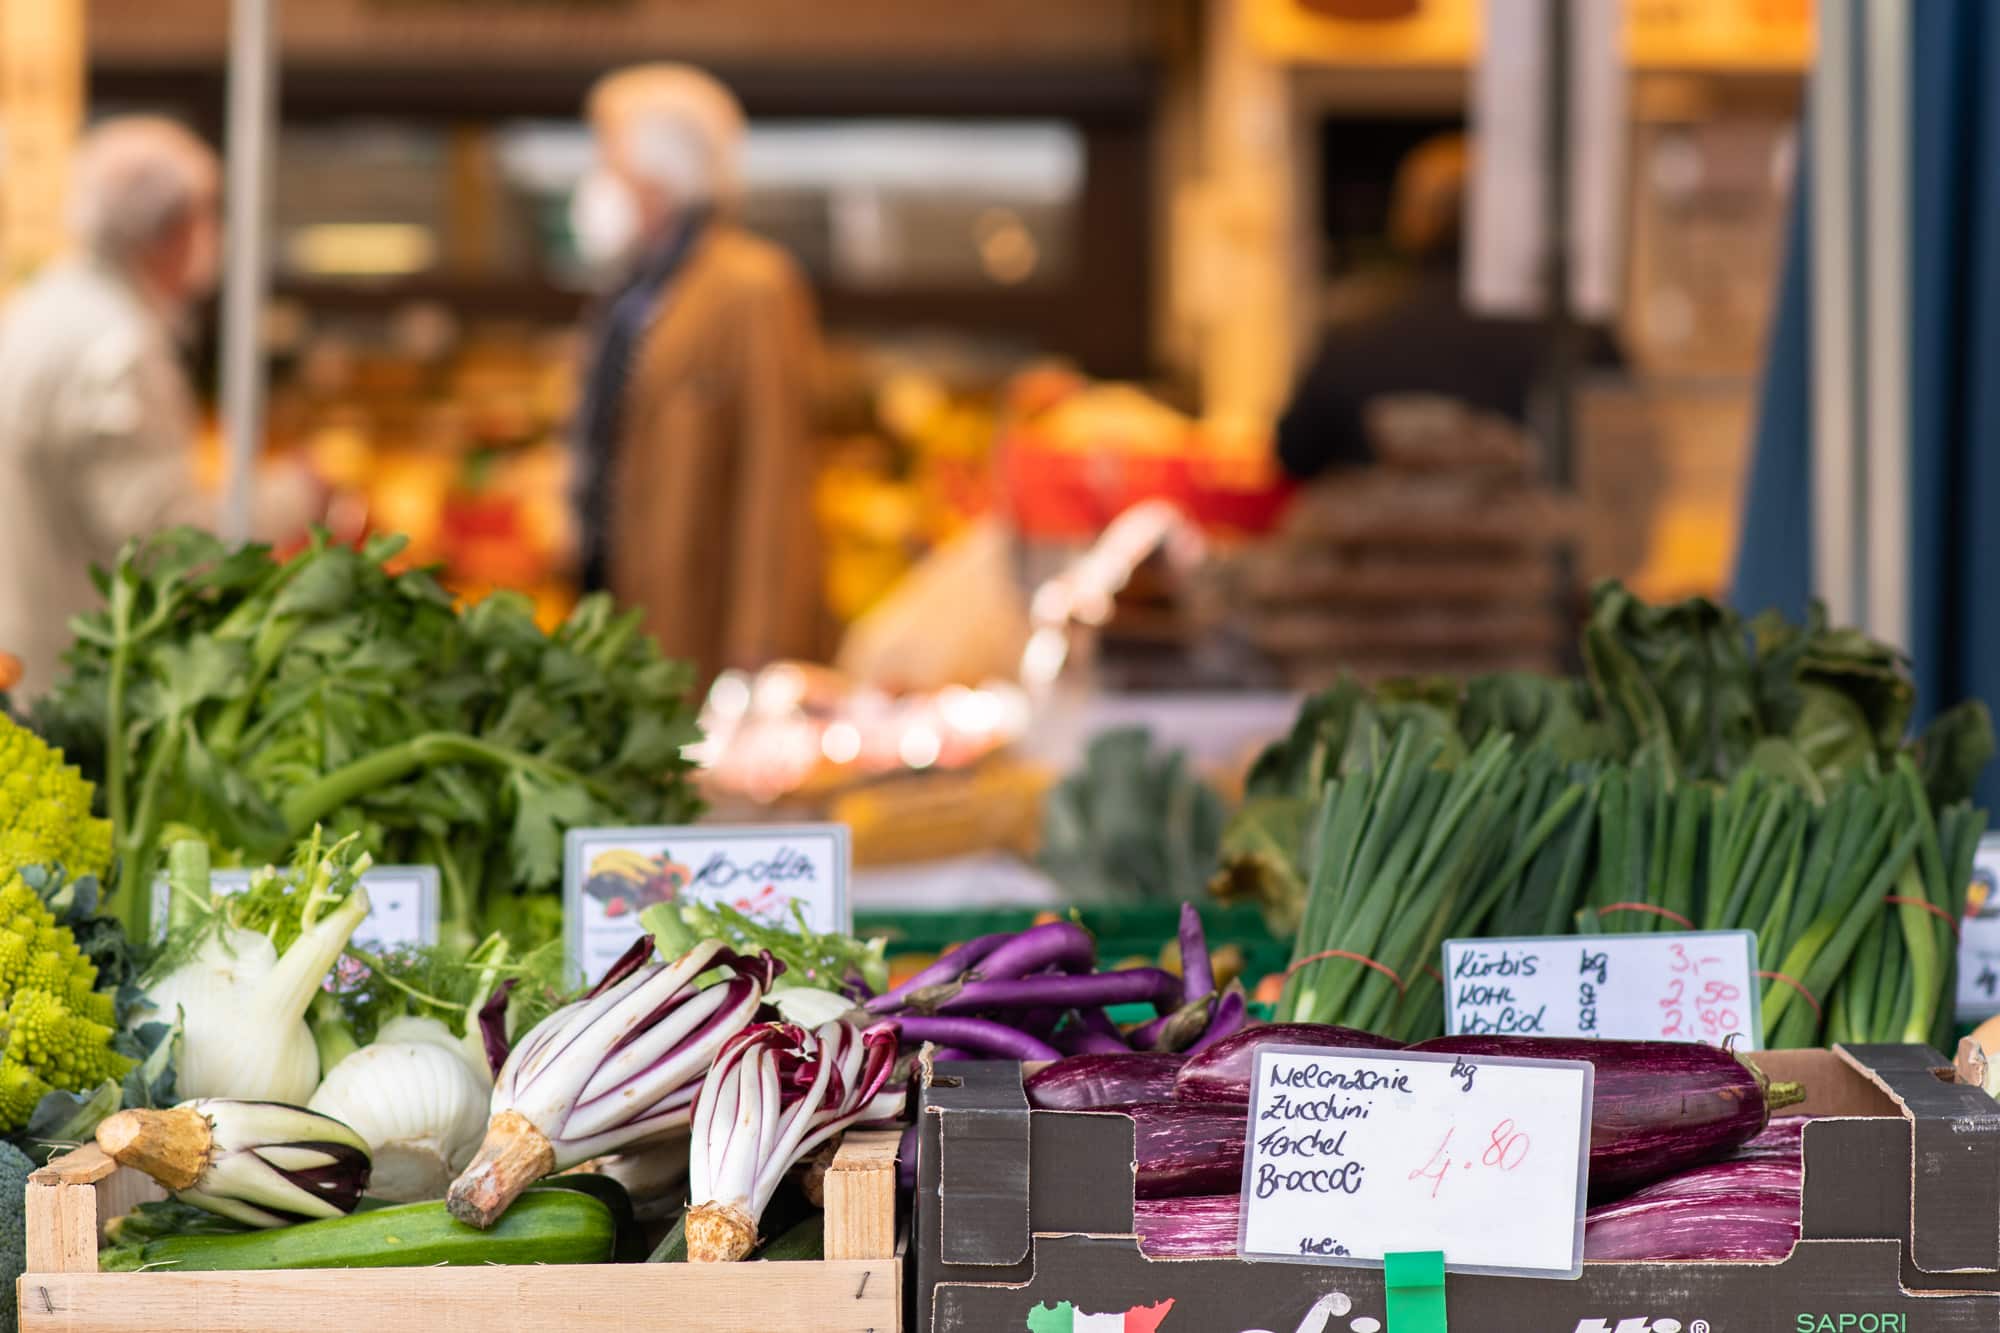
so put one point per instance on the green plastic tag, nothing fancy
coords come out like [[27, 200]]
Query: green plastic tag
[[1413, 1291]]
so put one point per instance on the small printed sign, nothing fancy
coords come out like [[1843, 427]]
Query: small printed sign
[[402, 904], [610, 876], [1699, 985], [1979, 936], [1351, 1156]]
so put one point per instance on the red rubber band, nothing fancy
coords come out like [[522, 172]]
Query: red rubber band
[[1350, 957], [1434, 974], [1654, 908], [1796, 985], [1928, 906]]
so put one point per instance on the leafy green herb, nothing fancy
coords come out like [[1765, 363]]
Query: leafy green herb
[[830, 962], [250, 699]]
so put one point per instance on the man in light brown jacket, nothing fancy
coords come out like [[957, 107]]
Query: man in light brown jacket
[[693, 446]]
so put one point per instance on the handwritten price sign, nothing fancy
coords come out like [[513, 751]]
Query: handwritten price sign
[[1354, 1155], [1979, 937], [1686, 986], [612, 875], [402, 905]]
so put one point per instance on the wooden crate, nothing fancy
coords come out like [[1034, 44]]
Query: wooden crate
[[857, 1288]]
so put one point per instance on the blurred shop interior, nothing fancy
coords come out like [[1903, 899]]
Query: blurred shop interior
[[1070, 258]]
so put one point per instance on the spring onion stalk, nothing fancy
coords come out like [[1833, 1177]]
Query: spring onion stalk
[[616, 1068], [260, 1163], [773, 1096]]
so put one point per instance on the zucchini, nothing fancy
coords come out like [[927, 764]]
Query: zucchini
[[543, 1227]]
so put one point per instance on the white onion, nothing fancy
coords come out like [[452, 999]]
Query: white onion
[[419, 1107]]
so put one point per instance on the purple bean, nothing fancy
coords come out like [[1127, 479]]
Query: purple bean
[[1224, 1020], [1136, 985], [948, 968], [1058, 944], [980, 1035], [1197, 973]]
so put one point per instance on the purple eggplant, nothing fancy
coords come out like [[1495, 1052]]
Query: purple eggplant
[[1197, 973], [1058, 945], [985, 1038], [1747, 1224], [950, 967], [1199, 1227], [1226, 1019], [1659, 1107], [1138, 985], [1782, 1140], [1221, 1073], [1094, 1082], [1091, 1032], [1178, 1149]]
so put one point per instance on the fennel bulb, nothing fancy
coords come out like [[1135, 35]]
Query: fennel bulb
[[436, 1032], [243, 1008], [416, 1104]]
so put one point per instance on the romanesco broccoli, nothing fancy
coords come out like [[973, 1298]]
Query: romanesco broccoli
[[55, 1026]]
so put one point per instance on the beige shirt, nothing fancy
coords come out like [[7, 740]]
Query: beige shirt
[[96, 425]]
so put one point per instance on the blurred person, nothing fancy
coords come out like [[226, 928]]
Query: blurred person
[[1405, 329], [97, 418], [693, 443]]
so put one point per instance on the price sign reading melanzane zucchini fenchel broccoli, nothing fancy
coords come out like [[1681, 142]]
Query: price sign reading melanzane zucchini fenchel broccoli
[[1695, 985], [611, 875], [1352, 1156]]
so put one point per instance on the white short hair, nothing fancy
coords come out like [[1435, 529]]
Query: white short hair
[[675, 127], [136, 178]]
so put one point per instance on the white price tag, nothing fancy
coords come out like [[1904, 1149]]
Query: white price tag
[[1698, 985], [1354, 1155], [612, 875], [402, 905], [1979, 936]]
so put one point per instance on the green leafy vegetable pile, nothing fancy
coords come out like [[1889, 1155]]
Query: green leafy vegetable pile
[[1852, 896], [1132, 823], [249, 699]]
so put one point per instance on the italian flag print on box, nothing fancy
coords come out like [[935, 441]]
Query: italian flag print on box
[[1066, 1318]]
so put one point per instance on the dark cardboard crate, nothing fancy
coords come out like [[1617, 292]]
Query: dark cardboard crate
[[1900, 1226]]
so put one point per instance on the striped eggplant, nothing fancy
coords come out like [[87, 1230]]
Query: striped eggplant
[[1199, 1227], [1221, 1073], [1180, 1149], [1731, 1211], [1659, 1107], [1094, 1082]]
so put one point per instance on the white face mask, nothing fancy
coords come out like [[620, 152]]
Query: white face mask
[[604, 218]]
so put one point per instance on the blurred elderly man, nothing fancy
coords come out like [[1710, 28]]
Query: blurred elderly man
[[97, 420], [693, 445]]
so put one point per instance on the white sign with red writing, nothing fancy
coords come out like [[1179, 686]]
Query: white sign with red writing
[[1699, 985], [1355, 1155], [611, 875]]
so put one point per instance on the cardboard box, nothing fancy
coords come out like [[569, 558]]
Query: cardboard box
[[1019, 1209]]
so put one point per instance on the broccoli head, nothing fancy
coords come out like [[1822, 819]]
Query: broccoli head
[[14, 1169]]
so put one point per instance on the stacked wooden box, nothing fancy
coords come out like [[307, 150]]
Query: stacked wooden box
[[1440, 558]]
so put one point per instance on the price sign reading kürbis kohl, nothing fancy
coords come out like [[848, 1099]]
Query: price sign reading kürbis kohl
[[611, 875], [1699, 985], [1355, 1155]]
